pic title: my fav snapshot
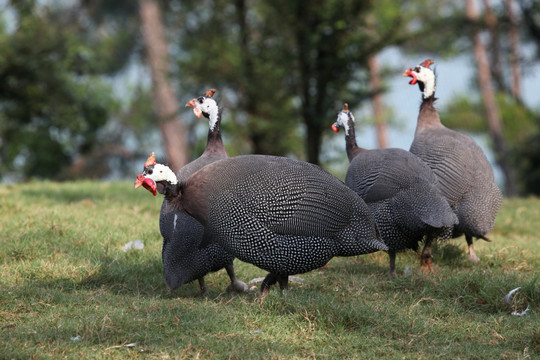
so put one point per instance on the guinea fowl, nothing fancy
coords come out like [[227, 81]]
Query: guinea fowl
[[282, 215], [464, 173], [401, 191], [189, 252]]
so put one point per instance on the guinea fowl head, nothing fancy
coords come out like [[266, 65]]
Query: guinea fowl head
[[343, 118], [156, 177], [424, 76], [207, 106]]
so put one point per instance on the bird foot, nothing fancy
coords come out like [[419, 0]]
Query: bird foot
[[471, 253], [262, 295], [425, 265], [204, 292], [473, 258], [202, 287], [237, 286]]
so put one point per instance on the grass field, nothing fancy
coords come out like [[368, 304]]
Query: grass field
[[68, 290]]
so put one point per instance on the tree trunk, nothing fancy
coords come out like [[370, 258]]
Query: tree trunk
[[247, 92], [313, 142], [493, 117], [492, 23], [378, 112], [514, 49], [164, 99]]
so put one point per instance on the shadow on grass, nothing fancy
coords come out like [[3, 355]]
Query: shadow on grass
[[128, 276], [144, 277], [444, 254], [354, 267]]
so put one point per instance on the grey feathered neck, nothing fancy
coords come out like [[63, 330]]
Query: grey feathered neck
[[214, 142], [351, 146], [428, 115]]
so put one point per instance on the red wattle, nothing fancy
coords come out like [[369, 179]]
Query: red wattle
[[413, 81], [147, 183], [335, 128], [150, 185]]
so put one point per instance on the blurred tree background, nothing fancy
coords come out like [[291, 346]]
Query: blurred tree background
[[89, 87]]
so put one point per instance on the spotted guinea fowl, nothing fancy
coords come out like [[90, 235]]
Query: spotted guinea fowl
[[464, 173], [282, 215], [189, 252], [401, 191]]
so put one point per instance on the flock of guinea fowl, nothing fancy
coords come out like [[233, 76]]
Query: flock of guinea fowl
[[289, 217]]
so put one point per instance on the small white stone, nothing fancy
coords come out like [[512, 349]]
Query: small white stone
[[133, 245]]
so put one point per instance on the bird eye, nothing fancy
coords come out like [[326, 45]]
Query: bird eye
[[150, 171], [200, 100]]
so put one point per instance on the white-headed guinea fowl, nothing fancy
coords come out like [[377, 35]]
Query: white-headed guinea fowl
[[189, 252], [282, 215], [464, 173], [401, 191]]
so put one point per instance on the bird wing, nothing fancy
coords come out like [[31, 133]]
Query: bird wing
[[452, 157]]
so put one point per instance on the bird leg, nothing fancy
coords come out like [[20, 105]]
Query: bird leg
[[202, 286], [270, 280], [283, 282], [425, 257], [235, 285], [392, 271], [472, 254]]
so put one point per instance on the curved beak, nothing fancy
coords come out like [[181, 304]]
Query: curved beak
[[335, 127], [409, 73], [196, 110], [147, 183]]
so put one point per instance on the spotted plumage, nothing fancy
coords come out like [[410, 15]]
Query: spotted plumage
[[282, 215], [464, 173], [401, 191]]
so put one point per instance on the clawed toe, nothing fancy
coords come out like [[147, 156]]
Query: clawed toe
[[425, 265]]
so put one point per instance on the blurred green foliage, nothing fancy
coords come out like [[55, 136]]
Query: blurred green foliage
[[467, 113], [53, 98]]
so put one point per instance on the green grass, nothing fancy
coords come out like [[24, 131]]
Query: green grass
[[63, 274]]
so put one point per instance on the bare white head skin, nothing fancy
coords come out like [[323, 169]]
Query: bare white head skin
[[343, 119], [424, 76], [160, 172], [205, 105]]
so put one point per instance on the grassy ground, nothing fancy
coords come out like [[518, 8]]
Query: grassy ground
[[67, 290]]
